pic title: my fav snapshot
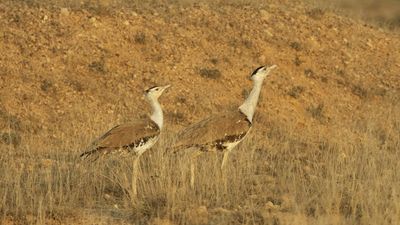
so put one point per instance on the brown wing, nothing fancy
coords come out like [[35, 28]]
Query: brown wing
[[127, 136], [214, 130]]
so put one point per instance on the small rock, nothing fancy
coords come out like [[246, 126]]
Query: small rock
[[264, 15], [64, 12], [267, 32], [347, 54], [369, 43], [126, 22], [270, 206], [307, 169], [107, 196], [313, 43]]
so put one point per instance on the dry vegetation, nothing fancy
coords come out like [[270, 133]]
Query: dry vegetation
[[350, 178], [324, 150]]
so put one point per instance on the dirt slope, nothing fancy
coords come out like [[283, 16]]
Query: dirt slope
[[58, 67]]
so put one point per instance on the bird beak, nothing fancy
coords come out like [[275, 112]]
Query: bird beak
[[272, 67], [166, 87]]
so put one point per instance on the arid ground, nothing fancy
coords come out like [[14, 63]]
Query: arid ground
[[324, 149]]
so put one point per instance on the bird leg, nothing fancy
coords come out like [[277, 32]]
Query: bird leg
[[192, 161], [224, 171], [135, 173], [226, 154], [192, 167]]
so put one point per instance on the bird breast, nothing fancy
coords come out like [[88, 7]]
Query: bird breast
[[143, 145]]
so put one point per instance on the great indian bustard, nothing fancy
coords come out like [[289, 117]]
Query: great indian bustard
[[134, 137], [222, 132]]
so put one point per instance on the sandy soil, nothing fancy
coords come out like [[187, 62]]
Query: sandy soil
[[58, 66]]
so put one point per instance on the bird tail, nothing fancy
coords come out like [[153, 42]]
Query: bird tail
[[86, 154], [92, 154]]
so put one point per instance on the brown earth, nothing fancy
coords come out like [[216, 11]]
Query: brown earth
[[67, 75], [58, 67]]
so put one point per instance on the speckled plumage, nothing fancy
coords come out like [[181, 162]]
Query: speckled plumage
[[215, 133], [126, 138]]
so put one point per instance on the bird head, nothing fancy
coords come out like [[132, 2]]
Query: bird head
[[155, 92], [261, 72]]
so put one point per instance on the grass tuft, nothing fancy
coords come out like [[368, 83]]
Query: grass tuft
[[210, 73]]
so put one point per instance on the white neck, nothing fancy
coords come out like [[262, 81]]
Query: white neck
[[157, 115], [250, 104]]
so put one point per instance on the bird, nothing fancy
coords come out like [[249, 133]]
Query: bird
[[224, 131], [134, 137]]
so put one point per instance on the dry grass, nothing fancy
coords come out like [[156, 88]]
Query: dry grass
[[349, 178]]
